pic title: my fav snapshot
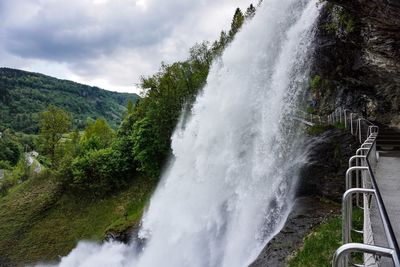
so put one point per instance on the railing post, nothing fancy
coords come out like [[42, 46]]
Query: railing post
[[347, 215], [358, 159], [349, 172], [351, 123]]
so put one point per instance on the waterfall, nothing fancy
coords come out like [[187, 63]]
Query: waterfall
[[229, 187]]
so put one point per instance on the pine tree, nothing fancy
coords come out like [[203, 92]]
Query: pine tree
[[250, 12], [237, 22]]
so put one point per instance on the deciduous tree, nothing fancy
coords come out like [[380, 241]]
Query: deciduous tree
[[54, 122]]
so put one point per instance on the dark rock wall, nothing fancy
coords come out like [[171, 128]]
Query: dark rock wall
[[324, 174], [358, 58]]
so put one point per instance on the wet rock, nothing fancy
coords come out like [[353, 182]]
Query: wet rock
[[361, 66], [328, 161], [321, 179], [124, 236], [307, 213]]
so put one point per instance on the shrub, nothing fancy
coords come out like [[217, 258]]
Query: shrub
[[5, 165], [316, 83], [97, 171]]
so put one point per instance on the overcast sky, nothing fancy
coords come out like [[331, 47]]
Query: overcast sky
[[106, 43]]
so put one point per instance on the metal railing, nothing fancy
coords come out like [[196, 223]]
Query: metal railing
[[311, 119], [360, 181], [358, 125]]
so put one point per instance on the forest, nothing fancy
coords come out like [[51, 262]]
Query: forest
[[23, 95]]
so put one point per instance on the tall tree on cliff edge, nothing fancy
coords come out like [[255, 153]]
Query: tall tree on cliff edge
[[237, 23]]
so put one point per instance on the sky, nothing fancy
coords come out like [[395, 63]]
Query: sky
[[107, 43]]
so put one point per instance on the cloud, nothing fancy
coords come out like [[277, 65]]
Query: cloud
[[112, 41]]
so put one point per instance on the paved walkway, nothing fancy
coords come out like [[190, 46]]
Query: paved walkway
[[388, 179]]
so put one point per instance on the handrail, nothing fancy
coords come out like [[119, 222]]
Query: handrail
[[346, 249], [362, 163], [347, 205]]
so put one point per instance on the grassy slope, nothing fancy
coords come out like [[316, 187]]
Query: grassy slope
[[320, 245], [39, 224]]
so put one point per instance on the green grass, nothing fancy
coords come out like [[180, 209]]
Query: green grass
[[339, 125], [318, 129], [37, 223], [320, 245]]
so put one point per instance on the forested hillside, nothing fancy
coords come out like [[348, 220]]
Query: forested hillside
[[23, 95]]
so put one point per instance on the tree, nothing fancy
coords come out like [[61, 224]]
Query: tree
[[147, 148], [97, 135], [250, 12], [130, 106], [96, 172], [237, 23], [10, 149], [4, 92], [53, 123]]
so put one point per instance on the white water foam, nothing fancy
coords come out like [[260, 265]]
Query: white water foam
[[230, 185]]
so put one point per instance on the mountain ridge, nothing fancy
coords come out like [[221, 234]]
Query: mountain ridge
[[23, 95]]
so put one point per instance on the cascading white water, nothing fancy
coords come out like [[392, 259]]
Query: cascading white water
[[230, 185]]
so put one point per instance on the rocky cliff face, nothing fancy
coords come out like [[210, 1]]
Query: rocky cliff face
[[323, 175], [358, 59]]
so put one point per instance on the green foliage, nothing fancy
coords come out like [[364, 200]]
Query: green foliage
[[237, 23], [316, 83], [38, 223], [97, 135], [21, 172], [12, 177], [27, 141], [54, 122], [310, 110], [341, 21], [130, 107], [339, 125], [147, 147], [23, 95], [10, 149], [94, 171], [167, 93], [346, 21], [321, 244], [318, 129], [4, 164]]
